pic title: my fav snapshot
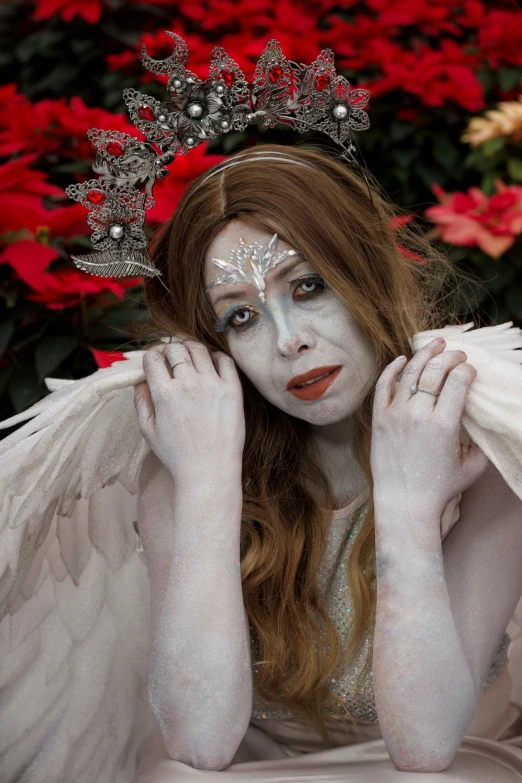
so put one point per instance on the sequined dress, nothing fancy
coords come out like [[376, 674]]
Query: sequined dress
[[345, 526]]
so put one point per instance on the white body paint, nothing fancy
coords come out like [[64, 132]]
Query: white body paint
[[291, 337]]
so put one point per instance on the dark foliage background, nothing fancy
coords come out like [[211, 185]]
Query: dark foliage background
[[433, 67]]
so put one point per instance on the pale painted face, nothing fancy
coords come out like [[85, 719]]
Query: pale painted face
[[297, 328]]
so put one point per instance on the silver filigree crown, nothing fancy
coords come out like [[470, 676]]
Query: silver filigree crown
[[307, 98]]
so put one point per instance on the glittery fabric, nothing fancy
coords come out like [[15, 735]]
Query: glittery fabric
[[334, 587]]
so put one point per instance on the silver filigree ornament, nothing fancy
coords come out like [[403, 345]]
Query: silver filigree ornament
[[250, 264], [304, 97]]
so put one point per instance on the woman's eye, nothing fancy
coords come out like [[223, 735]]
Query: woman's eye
[[317, 284]]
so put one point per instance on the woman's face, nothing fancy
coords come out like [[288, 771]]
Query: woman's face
[[299, 327]]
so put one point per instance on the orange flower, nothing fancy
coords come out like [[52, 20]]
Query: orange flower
[[504, 121]]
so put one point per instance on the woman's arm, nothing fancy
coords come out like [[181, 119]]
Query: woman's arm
[[200, 682], [424, 692]]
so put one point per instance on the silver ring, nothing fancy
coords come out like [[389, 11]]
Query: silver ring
[[414, 388], [185, 361]]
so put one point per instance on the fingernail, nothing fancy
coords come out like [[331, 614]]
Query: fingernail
[[439, 340]]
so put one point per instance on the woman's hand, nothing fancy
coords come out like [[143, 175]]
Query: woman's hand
[[417, 459], [191, 416]]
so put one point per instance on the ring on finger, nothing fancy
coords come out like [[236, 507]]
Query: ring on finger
[[414, 388], [171, 358]]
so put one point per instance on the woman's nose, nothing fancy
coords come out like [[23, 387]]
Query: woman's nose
[[291, 337]]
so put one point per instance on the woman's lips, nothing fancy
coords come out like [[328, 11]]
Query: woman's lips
[[316, 389]]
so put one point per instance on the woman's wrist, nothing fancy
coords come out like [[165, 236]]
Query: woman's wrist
[[407, 527]]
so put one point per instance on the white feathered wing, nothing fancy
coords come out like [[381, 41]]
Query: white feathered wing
[[74, 588]]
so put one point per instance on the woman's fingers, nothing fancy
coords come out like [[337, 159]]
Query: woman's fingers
[[450, 405], [385, 385], [226, 366], [144, 406], [414, 369], [157, 374], [193, 350]]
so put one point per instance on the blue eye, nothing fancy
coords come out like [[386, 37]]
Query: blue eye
[[223, 323]]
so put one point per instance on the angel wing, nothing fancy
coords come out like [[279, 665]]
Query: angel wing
[[74, 588], [492, 416]]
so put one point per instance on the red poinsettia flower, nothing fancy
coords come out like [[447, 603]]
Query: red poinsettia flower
[[106, 358], [472, 219], [431, 18], [90, 10], [435, 77], [21, 192], [45, 224], [62, 288], [53, 125], [68, 287], [15, 109], [500, 38]]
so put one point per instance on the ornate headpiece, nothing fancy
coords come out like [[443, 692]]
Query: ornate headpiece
[[307, 98], [250, 263]]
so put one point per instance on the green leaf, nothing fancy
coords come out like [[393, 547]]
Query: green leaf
[[429, 175], [231, 140], [23, 389], [446, 153], [514, 166], [492, 146], [6, 332], [51, 351], [25, 337], [405, 156], [6, 373], [488, 183], [487, 79], [70, 168], [496, 275], [81, 240], [400, 130], [509, 78], [514, 300], [57, 79]]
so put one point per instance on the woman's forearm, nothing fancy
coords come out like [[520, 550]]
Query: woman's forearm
[[200, 683], [424, 692]]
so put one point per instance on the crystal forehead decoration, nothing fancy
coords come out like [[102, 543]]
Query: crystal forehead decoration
[[250, 263], [304, 97]]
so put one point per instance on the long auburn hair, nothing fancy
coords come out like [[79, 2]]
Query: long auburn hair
[[395, 284]]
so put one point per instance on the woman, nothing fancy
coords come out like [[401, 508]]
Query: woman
[[306, 619], [342, 296]]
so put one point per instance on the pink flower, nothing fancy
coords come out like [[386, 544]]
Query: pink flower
[[472, 219]]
